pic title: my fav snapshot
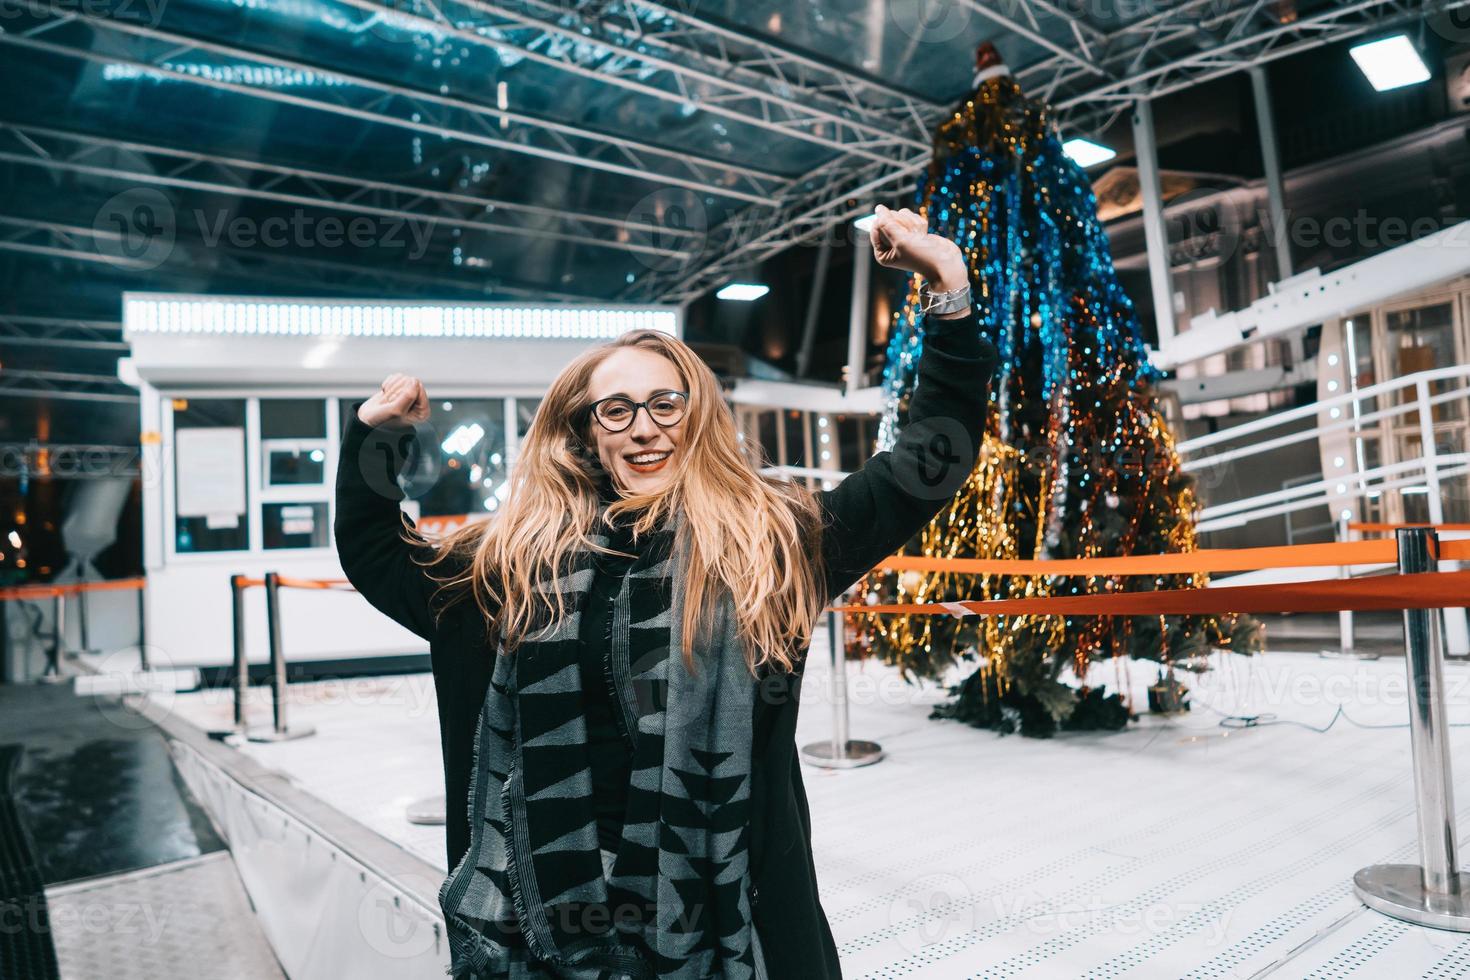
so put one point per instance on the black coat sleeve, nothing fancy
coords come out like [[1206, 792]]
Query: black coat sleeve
[[379, 563], [876, 510]]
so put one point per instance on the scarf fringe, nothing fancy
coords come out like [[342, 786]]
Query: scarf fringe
[[513, 874]]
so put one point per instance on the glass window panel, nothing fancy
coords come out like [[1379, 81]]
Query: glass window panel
[[1358, 332], [850, 443], [293, 418], [302, 525], [795, 443], [345, 411], [525, 412], [293, 445], [1421, 340], [461, 466], [766, 423], [294, 466], [209, 475]]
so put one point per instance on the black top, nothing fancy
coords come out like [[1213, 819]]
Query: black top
[[610, 747], [866, 517]]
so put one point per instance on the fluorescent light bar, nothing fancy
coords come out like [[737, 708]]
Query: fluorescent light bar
[[463, 439], [743, 292], [160, 313], [1086, 153], [1390, 63]]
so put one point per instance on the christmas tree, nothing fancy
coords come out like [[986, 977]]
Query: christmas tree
[[1078, 460]]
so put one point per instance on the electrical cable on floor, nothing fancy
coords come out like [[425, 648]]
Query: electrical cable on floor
[[1268, 718]]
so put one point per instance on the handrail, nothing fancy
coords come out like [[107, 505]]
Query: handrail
[[1311, 489], [1310, 410], [1209, 522], [1304, 435]]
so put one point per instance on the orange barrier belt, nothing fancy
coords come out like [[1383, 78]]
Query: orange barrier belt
[[312, 583], [286, 581], [1390, 528], [1375, 552], [69, 588], [1428, 590]]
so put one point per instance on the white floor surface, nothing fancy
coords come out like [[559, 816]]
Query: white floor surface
[[1175, 849]]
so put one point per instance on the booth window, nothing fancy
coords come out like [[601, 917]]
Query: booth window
[[293, 473], [525, 414], [462, 465], [210, 511], [293, 441], [295, 525]]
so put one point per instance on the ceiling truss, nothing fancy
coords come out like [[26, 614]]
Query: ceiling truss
[[877, 132]]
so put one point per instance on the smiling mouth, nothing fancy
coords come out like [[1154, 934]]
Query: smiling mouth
[[648, 462]]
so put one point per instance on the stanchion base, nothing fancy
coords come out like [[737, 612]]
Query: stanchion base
[[1347, 655], [429, 810], [271, 735], [856, 753], [1398, 890]]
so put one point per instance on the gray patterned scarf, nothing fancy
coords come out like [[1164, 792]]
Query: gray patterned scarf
[[529, 899]]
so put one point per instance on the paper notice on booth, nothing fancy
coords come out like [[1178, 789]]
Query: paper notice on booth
[[210, 464], [298, 519], [216, 521]]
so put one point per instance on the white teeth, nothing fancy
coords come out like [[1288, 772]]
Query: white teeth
[[647, 457]]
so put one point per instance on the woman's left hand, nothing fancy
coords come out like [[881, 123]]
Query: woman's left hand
[[901, 240]]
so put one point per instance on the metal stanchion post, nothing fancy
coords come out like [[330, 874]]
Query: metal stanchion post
[[840, 752], [143, 627], [1344, 616], [51, 673], [1434, 893], [280, 731], [82, 619], [428, 811], [242, 664]]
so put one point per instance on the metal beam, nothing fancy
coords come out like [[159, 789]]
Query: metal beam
[[1314, 297], [1191, 43], [831, 195], [50, 331], [730, 47], [78, 243], [1271, 161], [169, 167], [162, 52], [1155, 234], [806, 113], [1032, 32], [64, 385], [1162, 53]]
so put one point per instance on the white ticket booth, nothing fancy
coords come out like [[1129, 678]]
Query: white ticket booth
[[243, 402]]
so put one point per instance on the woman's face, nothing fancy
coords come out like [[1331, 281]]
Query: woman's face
[[636, 374]]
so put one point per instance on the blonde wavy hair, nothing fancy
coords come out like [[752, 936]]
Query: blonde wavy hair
[[753, 535]]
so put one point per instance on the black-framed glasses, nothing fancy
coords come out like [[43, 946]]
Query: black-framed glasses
[[615, 413]]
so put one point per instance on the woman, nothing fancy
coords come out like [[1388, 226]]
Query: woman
[[618, 703]]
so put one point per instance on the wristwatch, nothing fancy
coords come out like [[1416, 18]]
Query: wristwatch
[[951, 301]]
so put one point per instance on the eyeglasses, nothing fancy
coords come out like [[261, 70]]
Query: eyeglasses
[[615, 413]]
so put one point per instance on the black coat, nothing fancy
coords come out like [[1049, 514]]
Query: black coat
[[867, 517]]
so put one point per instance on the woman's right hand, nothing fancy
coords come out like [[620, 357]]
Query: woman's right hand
[[401, 402]]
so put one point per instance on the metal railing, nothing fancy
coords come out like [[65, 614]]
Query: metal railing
[[1430, 469]]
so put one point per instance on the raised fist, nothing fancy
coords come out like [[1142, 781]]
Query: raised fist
[[901, 240], [401, 403]]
